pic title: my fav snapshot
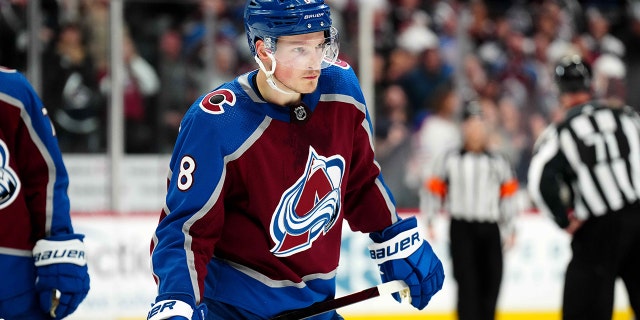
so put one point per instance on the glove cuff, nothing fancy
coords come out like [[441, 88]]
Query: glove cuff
[[394, 229], [401, 246], [166, 309], [48, 252]]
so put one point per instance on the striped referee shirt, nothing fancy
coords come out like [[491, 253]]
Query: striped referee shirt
[[594, 154], [475, 187]]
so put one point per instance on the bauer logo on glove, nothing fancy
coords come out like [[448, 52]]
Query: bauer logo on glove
[[401, 246], [48, 252]]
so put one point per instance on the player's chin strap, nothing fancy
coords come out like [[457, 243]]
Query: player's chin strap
[[269, 74]]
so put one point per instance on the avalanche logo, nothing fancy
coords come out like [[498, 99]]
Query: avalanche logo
[[310, 207], [342, 64], [9, 182], [214, 101]]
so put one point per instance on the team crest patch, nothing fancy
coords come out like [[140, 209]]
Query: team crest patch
[[310, 207], [9, 181], [342, 64], [214, 101]]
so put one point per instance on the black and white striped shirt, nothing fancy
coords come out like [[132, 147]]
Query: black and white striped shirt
[[475, 187], [595, 155]]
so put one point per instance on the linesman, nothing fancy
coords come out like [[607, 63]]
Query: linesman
[[585, 172], [478, 188]]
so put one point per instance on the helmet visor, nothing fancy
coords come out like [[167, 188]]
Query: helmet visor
[[312, 54]]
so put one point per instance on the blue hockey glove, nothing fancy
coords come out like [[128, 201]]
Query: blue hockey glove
[[402, 254], [176, 307], [62, 276]]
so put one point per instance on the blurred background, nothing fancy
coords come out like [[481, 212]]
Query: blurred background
[[117, 76]]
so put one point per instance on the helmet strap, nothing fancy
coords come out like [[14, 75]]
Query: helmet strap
[[269, 74]]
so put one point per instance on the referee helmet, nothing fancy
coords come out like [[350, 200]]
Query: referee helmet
[[572, 75]]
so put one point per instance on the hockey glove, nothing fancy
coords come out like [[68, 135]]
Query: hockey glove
[[62, 276], [176, 307], [402, 254]]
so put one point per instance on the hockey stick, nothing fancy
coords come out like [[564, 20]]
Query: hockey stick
[[325, 306]]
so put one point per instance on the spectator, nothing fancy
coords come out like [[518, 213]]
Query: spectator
[[14, 36], [71, 90], [393, 143], [141, 84], [96, 21], [438, 133], [421, 82], [176, 89], [598, 39]]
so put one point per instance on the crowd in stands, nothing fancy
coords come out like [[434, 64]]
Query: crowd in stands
[[432, 58]]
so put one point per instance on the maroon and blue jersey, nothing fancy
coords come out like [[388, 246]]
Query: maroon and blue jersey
[[33, 182], [257, 195]]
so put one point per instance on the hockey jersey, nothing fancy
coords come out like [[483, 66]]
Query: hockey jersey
[[33, 182], [257, 195]]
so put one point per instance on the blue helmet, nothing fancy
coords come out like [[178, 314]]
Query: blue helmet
[[275, 18]]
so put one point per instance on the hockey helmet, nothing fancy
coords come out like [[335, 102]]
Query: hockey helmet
[[270, 19], [572, 75]]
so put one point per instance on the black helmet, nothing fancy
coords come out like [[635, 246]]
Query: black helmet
[[572, 75]]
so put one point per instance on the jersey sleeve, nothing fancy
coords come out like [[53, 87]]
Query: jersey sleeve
[[369, 204], [191, 221], [545, 178], [192, 218], [433, 190], [38, 160], [509, 187]]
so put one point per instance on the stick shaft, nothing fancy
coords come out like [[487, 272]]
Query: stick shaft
[[325, 306]]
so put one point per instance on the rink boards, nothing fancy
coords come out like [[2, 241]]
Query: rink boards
[[122, 286]]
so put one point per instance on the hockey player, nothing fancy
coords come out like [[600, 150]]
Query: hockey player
[[42, 261], [264, 172]]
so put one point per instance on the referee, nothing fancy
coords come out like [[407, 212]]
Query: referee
[[478, 188], [586, 173]]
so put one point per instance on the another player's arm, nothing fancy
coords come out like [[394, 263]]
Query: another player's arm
[[62, 280], [44, 175]]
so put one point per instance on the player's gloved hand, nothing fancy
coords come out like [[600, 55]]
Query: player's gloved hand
[[402, 254], [176, 307], [62, 276]]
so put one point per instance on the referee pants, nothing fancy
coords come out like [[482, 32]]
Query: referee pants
[[604, 248], [476, 256]]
